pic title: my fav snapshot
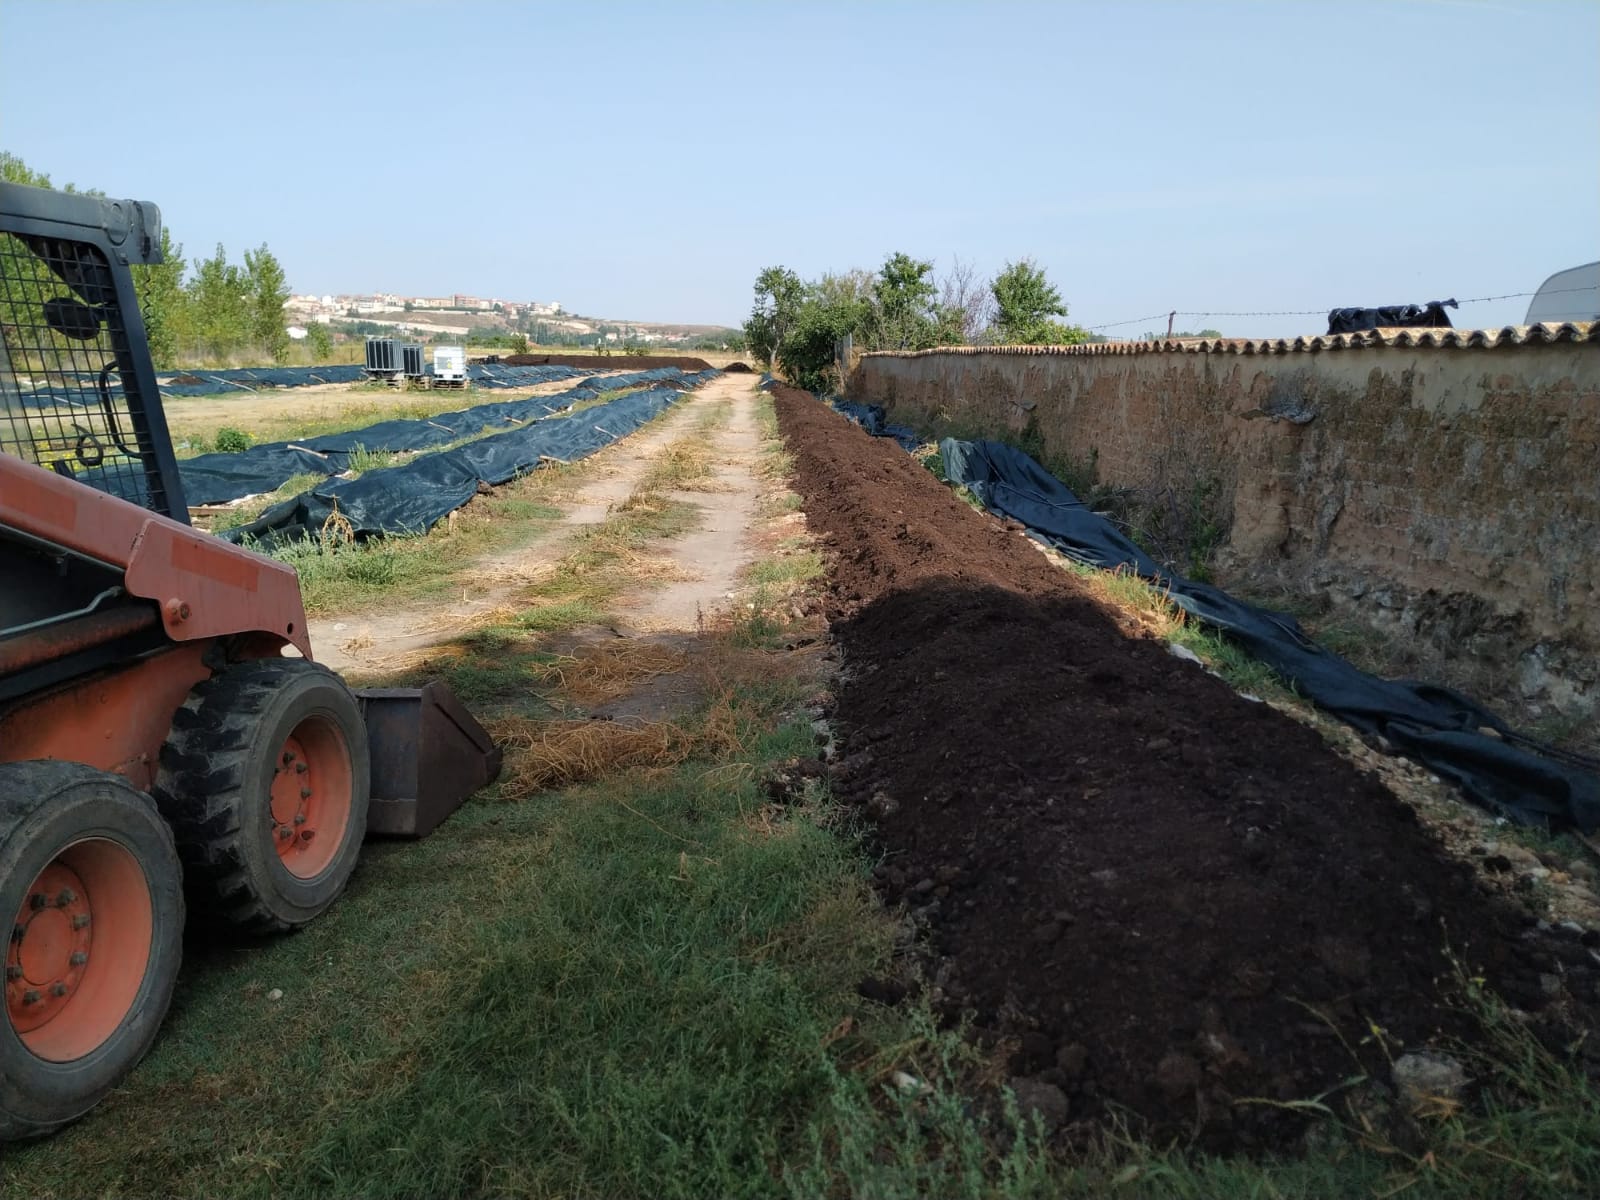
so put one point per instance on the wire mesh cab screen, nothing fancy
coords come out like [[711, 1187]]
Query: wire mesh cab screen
[[77, 391]]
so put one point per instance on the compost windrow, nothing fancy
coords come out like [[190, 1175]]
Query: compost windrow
[[1143, 888]]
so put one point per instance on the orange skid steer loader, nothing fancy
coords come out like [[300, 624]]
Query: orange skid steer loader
[[167, 742]]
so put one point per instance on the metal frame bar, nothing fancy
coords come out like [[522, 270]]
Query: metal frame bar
[[125, 232]]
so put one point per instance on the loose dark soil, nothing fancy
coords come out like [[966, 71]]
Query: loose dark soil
[[739, 368], [1142, 888], [619, 362]]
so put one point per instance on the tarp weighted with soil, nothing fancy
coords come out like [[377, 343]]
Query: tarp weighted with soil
[[220, 478], [410, 499], [1457, 738]]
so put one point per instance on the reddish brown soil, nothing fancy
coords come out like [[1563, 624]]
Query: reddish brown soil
[[1136, 882], [615, 362]]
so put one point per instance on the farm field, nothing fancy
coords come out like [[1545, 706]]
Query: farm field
[[847, 845]]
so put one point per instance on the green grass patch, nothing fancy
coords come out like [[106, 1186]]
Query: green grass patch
[[337, 576], [793, 568], [560, 615], [363, 460]]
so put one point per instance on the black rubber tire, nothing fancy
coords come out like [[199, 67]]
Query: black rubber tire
[[214, 786], [46, 806]]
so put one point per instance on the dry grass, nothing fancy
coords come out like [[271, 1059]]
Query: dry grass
[[740, 680], [603, 672], [556, 754], [688, 464]]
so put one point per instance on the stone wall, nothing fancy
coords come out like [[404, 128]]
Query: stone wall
[[1453, 490]]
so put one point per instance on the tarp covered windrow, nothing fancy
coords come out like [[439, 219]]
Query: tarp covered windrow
[[1458, 739], [410, 499], [220, 478]]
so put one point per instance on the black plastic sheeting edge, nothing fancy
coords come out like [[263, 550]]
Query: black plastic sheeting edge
[[412, 498], [1459, 740]]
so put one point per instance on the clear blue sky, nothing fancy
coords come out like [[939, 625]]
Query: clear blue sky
[[644, 161]]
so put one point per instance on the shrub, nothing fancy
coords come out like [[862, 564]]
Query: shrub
[[232, 441]]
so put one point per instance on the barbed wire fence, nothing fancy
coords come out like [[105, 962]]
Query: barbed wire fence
[[1171, 315]]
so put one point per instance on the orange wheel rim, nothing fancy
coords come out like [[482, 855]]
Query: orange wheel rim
[[311, 784], [79, 950]]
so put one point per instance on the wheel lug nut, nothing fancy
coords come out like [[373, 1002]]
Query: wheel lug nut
[[37, 901], [78, 958], [299, 818], [305, 793], [65, 897], [81, 921], [31, 996], [13, 972], [284, 833], [288, 757], [58, 990], [300, 768]]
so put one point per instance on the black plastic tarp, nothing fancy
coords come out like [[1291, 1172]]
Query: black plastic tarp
[[220, 478], [411, 498], [1401, 316], [1458, 739], [79, 391]]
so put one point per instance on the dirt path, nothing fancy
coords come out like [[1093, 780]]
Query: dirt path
[[1143, 889], [707, 560], [711, 558]]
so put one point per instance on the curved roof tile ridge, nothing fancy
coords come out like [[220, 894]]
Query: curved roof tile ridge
[[1548, 333]]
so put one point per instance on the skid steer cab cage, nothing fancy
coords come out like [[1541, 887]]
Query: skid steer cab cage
[[77, 389]]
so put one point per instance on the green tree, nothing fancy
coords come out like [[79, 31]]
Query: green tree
[[14, 170], [904, 314], [809, 353], [35, 276], [267, 288], [1024, 301], [321, 340], [159, 287], [778, 299], [219, 298], [163, 303]]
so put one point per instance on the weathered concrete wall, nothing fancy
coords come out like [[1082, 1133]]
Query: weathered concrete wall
[[1456, 489]]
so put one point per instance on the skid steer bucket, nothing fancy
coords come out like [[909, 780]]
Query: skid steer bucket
[[428, 755]]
